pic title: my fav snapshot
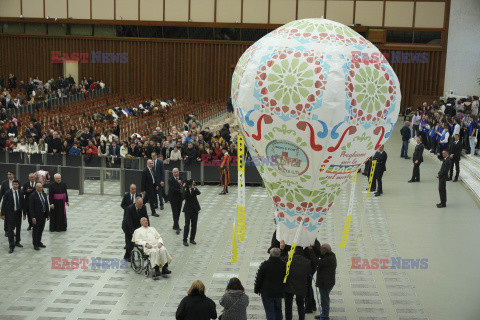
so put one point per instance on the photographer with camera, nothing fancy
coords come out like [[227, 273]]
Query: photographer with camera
[[191, 209]]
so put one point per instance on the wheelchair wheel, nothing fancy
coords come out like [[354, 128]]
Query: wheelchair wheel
[[147, 268], [137, 261]]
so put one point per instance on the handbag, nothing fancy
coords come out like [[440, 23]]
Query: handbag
[[226, 310]]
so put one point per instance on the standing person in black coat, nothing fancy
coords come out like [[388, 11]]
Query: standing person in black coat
[[297, 282], [442, 179], [127, 200], [196, 306], [159, 171], [310, 303], [175, 196], [39, 211], [326, 267], [27, 189], [12, 205], [417, 160], [6, 185], [133, 214], [406, 135], [380, 168], [269, 284], [191, 210], [150, 187], [455, 151]]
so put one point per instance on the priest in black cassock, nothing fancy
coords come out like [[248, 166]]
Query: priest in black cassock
[[58, 198]]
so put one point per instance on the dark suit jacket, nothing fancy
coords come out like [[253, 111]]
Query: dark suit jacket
[[326, 267], [444, 169], [127, 199], [147, 181], [418, 153], [381, 158], [455, 149], [5, 187], [191, 201], [299, 275], [35, 206], [27, 193], [159, 171], [175, 192], [132, 218], [8, 202]]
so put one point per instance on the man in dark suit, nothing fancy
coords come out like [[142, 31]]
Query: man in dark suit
[[442, 179], [417, 160], [326, 266], [5, 186], [297, 284], [159, 171], [27, 189], [406, 135], [380, 168], [12, 205], [455, 151], [129, 197], [191, 209], [131, 222], [39, 211], [175, 196], [149, 187]]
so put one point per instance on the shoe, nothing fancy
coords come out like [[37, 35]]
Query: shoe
[[11, 250], [42, 245], [377, 194], [128, 259], [221, 193], [407, 157], [18, 245], [439, 205], [410, 181], [161, 207], [308, 311], [317, 317], [455, 180], [6, 235], [29, 228], [36, 248], [449, 179], [124, 247], [155, 215], [193, 242], [178, 231], [165, 269], [157, 272], [185, 243]]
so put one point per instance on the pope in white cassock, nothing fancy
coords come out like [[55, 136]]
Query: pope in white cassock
[[152, 243]]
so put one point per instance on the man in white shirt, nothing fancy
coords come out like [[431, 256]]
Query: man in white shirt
[[152, 243]]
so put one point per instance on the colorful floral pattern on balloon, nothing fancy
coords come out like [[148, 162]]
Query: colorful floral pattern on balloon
[[370, 93], [307, 32], [291, 77]]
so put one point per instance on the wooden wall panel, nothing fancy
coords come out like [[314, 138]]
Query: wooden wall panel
[[181, 68]]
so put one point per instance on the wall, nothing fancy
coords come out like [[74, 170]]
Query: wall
[[389, 13], [463, 50], [196, 69]]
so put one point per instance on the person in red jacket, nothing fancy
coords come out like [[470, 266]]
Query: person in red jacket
[[91, 149]]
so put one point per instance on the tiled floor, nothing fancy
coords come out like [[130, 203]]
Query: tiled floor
[[402, 223]]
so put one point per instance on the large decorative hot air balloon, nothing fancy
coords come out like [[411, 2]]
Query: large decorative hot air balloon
[[315, 100]]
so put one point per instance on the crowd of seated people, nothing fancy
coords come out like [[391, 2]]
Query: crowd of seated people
[[437, 124], [192, 143], [14, 94]]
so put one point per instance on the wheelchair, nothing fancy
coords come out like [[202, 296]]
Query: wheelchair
[[140, 261]]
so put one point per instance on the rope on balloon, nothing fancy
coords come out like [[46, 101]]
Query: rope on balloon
[[346, 229], [294, 244], [370, 180]]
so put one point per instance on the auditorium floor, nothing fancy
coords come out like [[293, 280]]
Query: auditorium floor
[[404, 223]]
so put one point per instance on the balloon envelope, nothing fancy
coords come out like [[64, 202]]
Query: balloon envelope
[[315, 100]]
